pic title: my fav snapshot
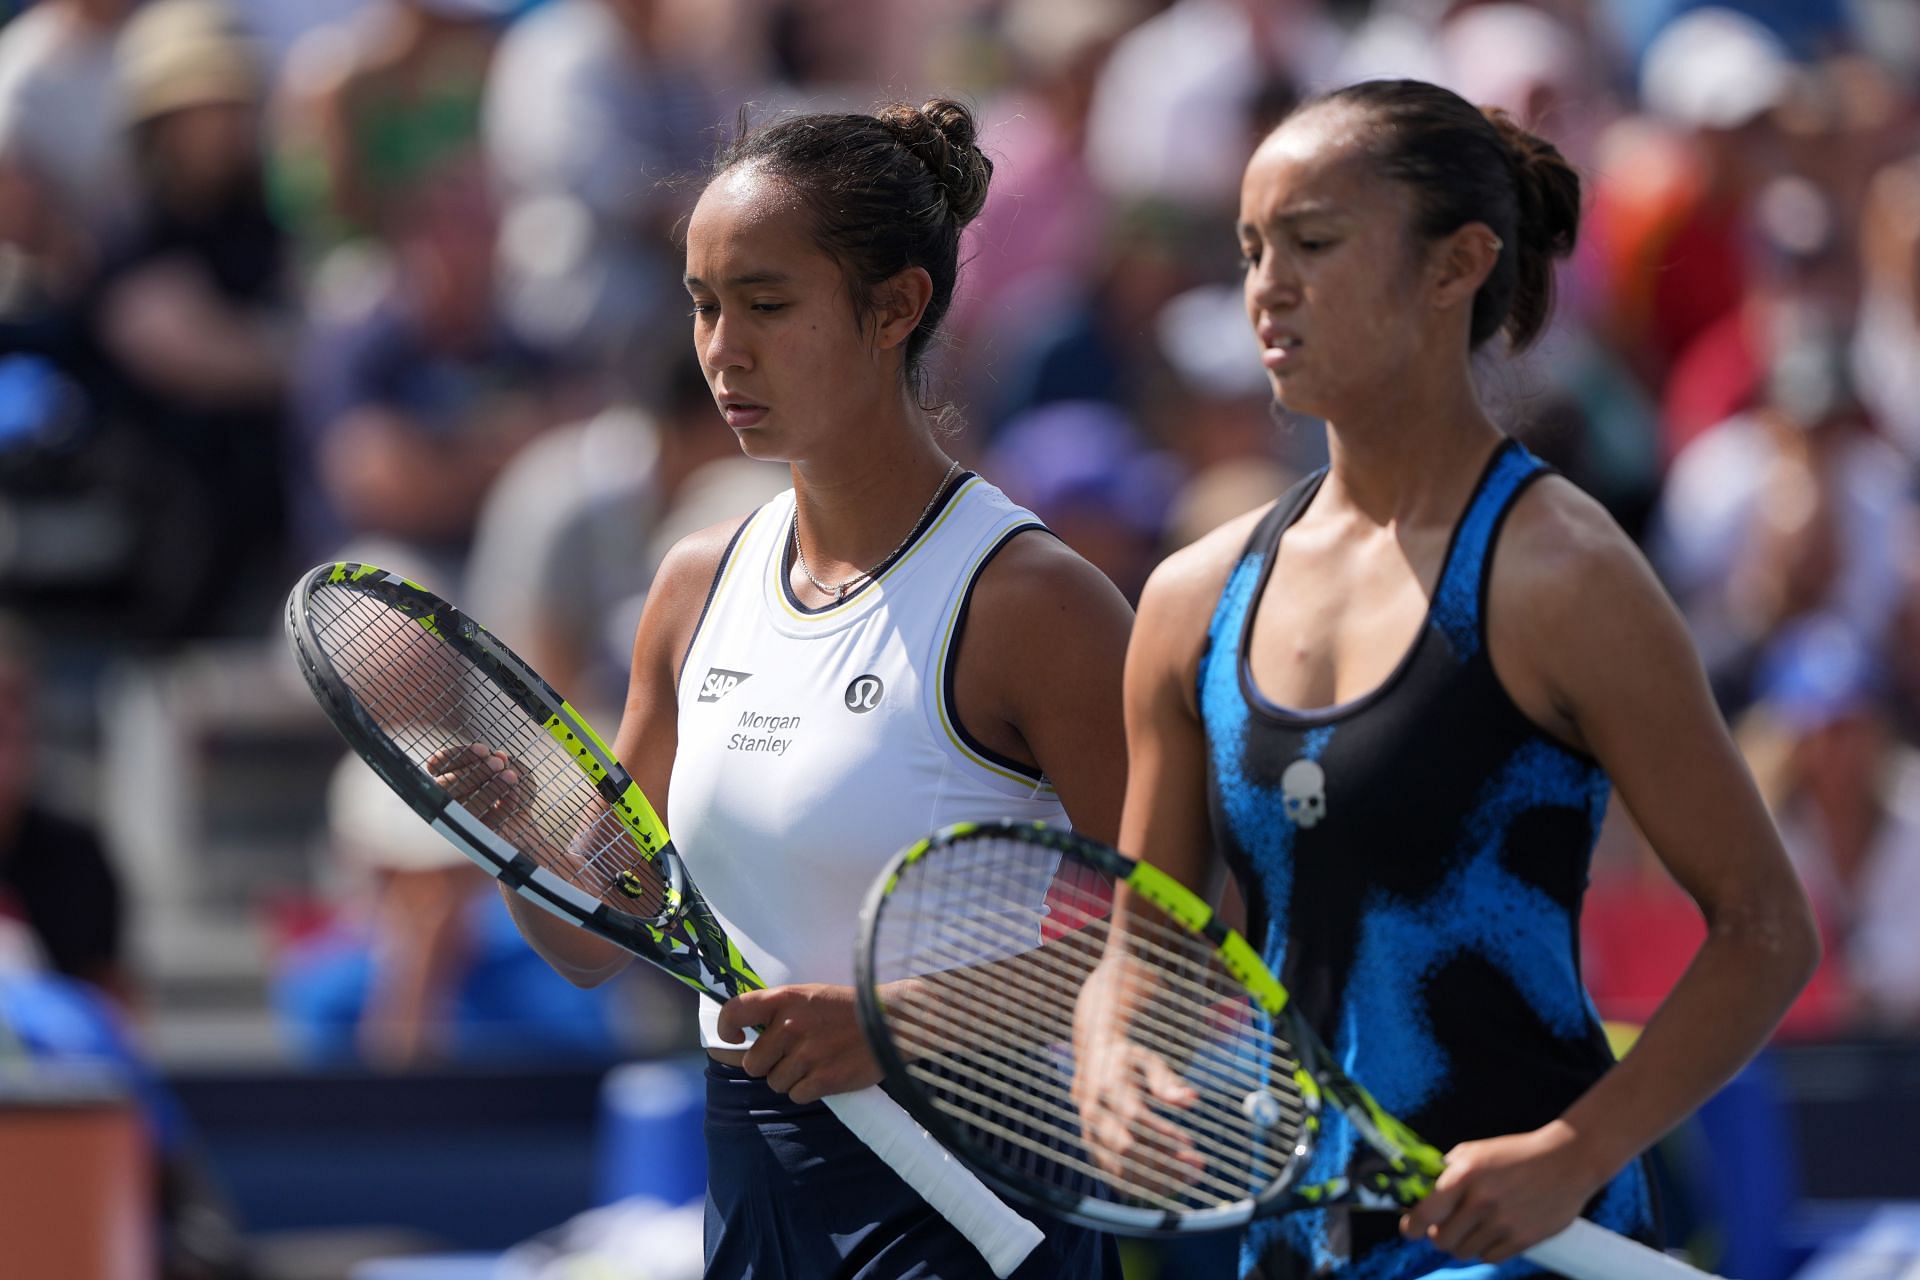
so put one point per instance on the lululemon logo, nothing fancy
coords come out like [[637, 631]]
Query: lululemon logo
[[863, 695]]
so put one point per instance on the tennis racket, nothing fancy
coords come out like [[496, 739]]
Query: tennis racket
[[412, 684], [1138, 1071]]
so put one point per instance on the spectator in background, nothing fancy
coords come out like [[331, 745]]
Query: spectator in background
[[571, 536], [592, 106], [1846, 796], [1793, 508], [1040, 233], [44, 259], [1176, 109], [58, 123], [1886, 347], [376, 104], [189, 312], [410, 403], [1094, 339], [1237, 447], [1669, 210], [418, 946], [842, 49], [1807, 26], [1082, 467], [1803, 276], [419, 962], [1532, 62], [1215, 408], [54, 874], [65, 180]]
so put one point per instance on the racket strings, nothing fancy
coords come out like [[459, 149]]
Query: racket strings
[[995, 955], [428, 696], [964, 990], [1208, 1127], [1169, 961], [1037, 1136], [946, 1014], [1208, 1133], [1183, 957]]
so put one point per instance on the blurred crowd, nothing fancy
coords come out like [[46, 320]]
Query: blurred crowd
[[397, 279]]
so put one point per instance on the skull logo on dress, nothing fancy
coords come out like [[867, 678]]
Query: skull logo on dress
[[1304, 785]]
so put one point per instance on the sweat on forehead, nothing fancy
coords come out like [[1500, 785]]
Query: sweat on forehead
[[752, 191], [1332, 132], [1309, 166]]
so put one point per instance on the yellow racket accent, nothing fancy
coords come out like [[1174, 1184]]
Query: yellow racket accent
[[1172, 897], [573, 735], [588, 751], [1244, 963]]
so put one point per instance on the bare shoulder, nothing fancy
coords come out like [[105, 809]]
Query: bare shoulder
[[675, 605], [1176, 608], [696, 558], [1035, 572], [1038, 607], [1562, 557], [680, 589], [1578, 625], [1037, 676], [1180, 596]]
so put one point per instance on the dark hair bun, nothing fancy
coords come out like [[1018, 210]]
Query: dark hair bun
[[882, 192], [941, 133], [1548, 194]]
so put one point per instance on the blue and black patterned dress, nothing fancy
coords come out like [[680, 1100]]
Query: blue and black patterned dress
[[1414, 862]]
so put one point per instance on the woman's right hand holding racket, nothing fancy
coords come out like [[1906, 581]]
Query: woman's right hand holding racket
[[1117, 1084]]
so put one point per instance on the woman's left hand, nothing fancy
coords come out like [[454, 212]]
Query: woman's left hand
[[1499, 1196], [810, 1041]]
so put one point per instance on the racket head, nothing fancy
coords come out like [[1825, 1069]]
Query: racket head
[[405, 677], [988, 952]]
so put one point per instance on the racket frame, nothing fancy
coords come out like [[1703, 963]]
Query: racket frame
[[1399, 1172], [683, 939], [1402, 1167]]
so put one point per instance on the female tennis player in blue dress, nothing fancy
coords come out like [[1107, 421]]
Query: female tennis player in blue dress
[[888, 647], [1396, 700]]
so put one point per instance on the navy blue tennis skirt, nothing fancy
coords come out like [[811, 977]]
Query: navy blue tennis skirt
[[791, 1195]]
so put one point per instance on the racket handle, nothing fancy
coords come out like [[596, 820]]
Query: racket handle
[[1003, 1237], [1588, 1251]]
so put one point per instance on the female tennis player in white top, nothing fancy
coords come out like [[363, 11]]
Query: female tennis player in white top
[[889, 647]]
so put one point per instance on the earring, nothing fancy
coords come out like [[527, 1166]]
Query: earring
[[1498, 243]]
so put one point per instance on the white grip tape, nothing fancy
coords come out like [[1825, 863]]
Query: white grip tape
[[1003, 1237], [1588, 1251]]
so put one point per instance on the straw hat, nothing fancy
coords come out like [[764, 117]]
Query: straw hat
[[184, 53]]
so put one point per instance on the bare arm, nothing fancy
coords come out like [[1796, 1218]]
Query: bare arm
[[647, 738], [166, 323], [1592, 649], [1040, 667], [388, 474], [1164, 822]]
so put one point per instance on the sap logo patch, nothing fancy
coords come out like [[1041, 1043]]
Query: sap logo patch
[[720, 682]]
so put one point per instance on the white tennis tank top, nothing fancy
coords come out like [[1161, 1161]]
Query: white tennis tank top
[[814, 745]]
